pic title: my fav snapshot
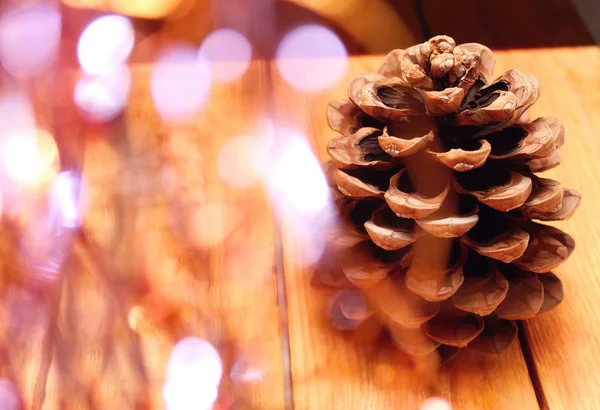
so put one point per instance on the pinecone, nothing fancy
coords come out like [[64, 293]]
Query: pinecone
[[433, 175]]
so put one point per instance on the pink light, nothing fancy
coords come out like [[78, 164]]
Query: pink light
[[105, 44], [67, 199], [102, 98], [180, 83], [436, 403], [299, 193], [311, 58], [228, 52], [298, 178], [46, 242], [24, 310], [194, 372], [310, 242], [16, 114], [9, 397], [243, 372], [44, 247], [29, 39]]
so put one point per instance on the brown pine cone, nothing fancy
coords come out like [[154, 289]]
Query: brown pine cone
[[433, 175]]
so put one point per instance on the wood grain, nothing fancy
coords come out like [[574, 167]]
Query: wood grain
[[168, 250], [565, 341], [335, 370]]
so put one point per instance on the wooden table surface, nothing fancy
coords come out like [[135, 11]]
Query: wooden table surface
[[555, 366], [171, 249]]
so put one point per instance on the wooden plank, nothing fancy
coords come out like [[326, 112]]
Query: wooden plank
[[169, 249], [508, 23], [565, 341], [333, 370]]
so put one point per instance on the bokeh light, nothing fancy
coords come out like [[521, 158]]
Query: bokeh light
[[9, 397], [243, 371], [242, 160], [180, 83], [102, 98], [194, 372], [30, 157], [134, 317], [29, 39], [228, 53], [385, 374], [310, 241], [312, 58], [68, 199], [299, 194], [211, 223], [436, 403], [105, 44], [297, 177], [16, 114]]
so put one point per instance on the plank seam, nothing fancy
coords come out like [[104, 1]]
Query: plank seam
[[532, 369], [288, 393]]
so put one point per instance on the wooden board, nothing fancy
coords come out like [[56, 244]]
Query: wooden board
[[565, 342], [333, 370], [168, 250]]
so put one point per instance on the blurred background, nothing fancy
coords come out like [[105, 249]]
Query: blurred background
[[143, 156], [364, 26]]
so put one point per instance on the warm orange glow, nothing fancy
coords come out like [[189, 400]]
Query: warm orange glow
[[151, 9], [145, 8], [385, 374], [86, 3], [373, 24], [30, 158], [135, 318], [211, 223]]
